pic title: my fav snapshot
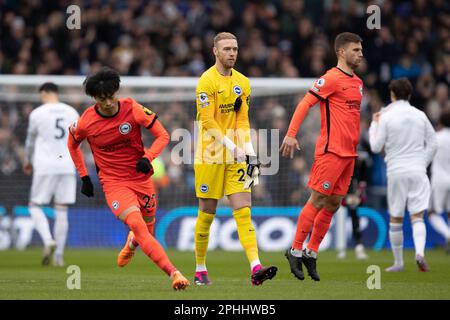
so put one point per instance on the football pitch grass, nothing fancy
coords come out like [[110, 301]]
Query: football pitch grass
[[22, 277]]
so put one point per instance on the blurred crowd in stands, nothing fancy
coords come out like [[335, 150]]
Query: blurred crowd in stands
[[278, 38]]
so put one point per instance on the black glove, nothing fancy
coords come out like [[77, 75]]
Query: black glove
[[237, 104], [87, 188], [252, 163], [143, 165]]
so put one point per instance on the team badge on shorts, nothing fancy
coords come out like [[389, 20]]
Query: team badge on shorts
[[237, 90], [115, 204], [125, 128], [326, 185], [204, 188]]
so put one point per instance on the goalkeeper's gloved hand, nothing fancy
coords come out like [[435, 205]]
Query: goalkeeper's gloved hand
[[252, 163], [252, 173], [143, 165], [87, 188]]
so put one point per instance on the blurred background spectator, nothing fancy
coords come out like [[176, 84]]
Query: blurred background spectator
[[279, 38]]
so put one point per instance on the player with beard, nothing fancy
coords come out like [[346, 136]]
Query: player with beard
[[340, 92]]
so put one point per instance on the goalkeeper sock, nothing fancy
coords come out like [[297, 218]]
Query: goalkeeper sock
[[60, 228], [321, 225], [304, 225], [149, 245], [202, 226], [41, 224], [247, 234]]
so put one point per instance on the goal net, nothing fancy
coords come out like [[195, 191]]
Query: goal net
[[276, 200]]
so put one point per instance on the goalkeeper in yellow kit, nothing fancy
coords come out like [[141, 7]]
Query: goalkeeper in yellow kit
[[225, 161]]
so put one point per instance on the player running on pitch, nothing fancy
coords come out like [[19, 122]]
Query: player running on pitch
[[222, 108], [340, 93], [112, 128]]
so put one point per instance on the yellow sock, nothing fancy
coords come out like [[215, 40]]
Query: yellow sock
[[246, 233], [202, 226]]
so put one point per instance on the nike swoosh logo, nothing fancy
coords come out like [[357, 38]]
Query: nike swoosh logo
[[343, 89], [220, 91]]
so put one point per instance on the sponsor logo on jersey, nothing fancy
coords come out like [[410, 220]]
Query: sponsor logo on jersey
[[115, 204], [125, 128], [237, 90], [326, 185], [204, 188]]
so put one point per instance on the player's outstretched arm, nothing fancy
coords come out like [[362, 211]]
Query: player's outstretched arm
[[290, 143], [162, 138], [87, 188]]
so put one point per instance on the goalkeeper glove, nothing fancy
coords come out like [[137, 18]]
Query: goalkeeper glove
[[143, 165], [87, 188], [251, 177]]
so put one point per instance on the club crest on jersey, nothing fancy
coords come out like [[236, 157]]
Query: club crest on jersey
[[125, 128], [115, 204], [320, 82], [237, 90], [204, 188], [326, 185]]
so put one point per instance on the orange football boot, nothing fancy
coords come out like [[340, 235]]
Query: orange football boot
[[179, 282], [126, 254]]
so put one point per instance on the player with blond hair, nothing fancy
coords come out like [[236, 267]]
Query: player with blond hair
[[225, 164]]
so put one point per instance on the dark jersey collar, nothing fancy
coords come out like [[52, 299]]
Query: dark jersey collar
[[111, 116], [347, 74]]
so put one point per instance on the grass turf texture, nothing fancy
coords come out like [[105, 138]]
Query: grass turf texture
[[22, 277]]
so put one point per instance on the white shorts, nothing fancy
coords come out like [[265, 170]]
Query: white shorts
[[440, 198], [412, 192], [62, 187]]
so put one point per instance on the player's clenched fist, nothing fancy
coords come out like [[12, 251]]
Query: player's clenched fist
[[87, 188], [288, 147], [143, 165]]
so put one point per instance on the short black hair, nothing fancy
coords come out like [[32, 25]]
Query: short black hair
[[104, 83], [342, 39], [402, 88], [48, 87], [444, 119]]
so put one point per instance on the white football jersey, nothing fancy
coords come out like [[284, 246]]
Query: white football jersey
[[440, 168], [407, 136], [46, 143]]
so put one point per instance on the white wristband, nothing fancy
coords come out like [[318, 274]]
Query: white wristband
[[228, 143], [248, 148]]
